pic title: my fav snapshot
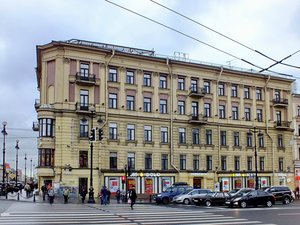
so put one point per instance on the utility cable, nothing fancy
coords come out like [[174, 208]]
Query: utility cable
[[225, 36]]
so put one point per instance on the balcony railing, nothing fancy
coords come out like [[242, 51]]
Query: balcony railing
[[280, 102], [85, 78], [282, 124], [197, 92], [80, 106], [198, 119], [37, 103]]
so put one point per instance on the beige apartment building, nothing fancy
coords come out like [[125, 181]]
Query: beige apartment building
[[296, 121], [170, 119]]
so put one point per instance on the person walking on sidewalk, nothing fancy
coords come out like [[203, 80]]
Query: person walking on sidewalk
[[132, 196], [44, 191], [118, 195], [51, 195], [83, 193], [66, 195]]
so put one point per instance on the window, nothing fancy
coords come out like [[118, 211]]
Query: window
[[182, 162], [221, 89], [130, 103], [196, 162], [147, 79], [277, 95], [259, 115], [182, 136], [236, 139], [247, 92], [181, 83], [208, 137], [46, 127], [261, 140], [84, 100], [222, 111], [208, 162], [164, 135], [113, 131], [237, 163], [223, 138], [196, 138], [235, 112], [181, 107], [249, 139], [113, 75], [46, 157], [280, 164], [148, 161], [262, 163], [194, 86], [163, 81], [147, 133], [278, 118], [147, 104], [247, 114], [130, 77], [84, 128], [164, 161], [298, 130], [234, 90], [163, 106], [280, 140], [195, 109], [113, 160], [223, 163], [112, 101], [130, 132], [83, 159], [249, 163], [207, 110], [258, 94], [84, 70], [206, 85], [131, 160], [298, 110]]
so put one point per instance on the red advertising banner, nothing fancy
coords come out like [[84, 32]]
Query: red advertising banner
[[149, 186], [131, 183]]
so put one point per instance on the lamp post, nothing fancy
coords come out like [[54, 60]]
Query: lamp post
[[4, 123], [25, 168], [255, 131], [17, 160], [30, 168]]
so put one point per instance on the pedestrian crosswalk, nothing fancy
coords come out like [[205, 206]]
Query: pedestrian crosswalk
[[120, 214]]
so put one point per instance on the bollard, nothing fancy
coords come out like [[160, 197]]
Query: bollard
[[18, 196], [33, 197]]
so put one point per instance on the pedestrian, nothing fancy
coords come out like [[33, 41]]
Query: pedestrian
[[44, 191], [297, 192], [83, 193], [132, 196], [104, 195], [118, 195], [66, 195], [28, 190], [51, 195]]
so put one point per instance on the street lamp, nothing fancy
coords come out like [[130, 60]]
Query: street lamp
[[25, 167], [4, 134], [17, 160], [30, 168], [255, 131]]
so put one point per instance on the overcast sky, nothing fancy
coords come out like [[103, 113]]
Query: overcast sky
[[269, 26]]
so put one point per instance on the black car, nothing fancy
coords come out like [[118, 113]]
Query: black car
[[214, 198], [282, 193], [253, 198]]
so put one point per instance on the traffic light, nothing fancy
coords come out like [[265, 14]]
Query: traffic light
[[123, 179], [100, 134], [93, 134]]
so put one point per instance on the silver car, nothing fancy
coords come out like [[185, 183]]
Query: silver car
[[187, 196]]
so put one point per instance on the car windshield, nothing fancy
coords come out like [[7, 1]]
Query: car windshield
[[169, 189], [235, 190], [186, 191]]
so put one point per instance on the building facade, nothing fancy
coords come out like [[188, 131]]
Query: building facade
[[168, 119], [296, 122]]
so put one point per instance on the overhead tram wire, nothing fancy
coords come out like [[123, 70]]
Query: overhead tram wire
[[195, 39], [229, 38]]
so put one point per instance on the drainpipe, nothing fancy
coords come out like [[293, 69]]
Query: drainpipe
[[267, 126], [171, 120], [217, 101]]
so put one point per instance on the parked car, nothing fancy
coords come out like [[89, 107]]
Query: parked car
[[213, 198], [253, 198], [187, 196], [240, 192], [167, 196], [282, 193]]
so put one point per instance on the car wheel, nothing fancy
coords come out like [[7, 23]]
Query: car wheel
[[269, 203], [208, 203], [165, 201], [186, 201], [243, 204], [286, 200]]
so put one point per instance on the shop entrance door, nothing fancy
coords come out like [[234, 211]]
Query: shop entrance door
[[197, 182]]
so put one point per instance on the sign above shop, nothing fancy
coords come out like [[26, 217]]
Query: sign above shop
[[145, 174]]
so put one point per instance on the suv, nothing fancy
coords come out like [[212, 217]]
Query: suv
[[240, 192], [167, 196], [282, 193], [187, 196]]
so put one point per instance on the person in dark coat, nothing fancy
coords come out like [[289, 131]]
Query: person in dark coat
[[83, 193], [118, 195], [132, 196]]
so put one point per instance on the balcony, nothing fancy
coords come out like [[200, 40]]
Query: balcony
[[37, 103], [84, 107], [86, 79], [197, 92], [284, 125], [280, 102], [35, 126], [198, 119]]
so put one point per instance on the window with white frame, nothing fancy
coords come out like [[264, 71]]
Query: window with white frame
[[246, 92], [130, 77], [131, 160], [113, 160], [236, 139], [235, 112], [84, 100], [196, 136], [148, 161], [147, 133], [277, 95], [261, 143], [237, 163], [222, 111], [249, 162], [130, 132], [113, 101], [163, 81], [262, 163], [249, 139], [280, 140], [234, 90], [147, 104], [209, 162], [195, 109], [196, 162], [181, 107], [47, 127], [164, 162], [298, 110], [181, 83], [182, 135], [182, 162], [164, 134], [194, 85], [280, 164], [84, 70], [84, 128], [258, 94], [223, 138], [163, 106], [130, 102], [113, 131], [113, 75], [147, 79], [207, 110], [208, 134], [247, 114], [221, 88], [223, 163], [259, 115], [206, 86]]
